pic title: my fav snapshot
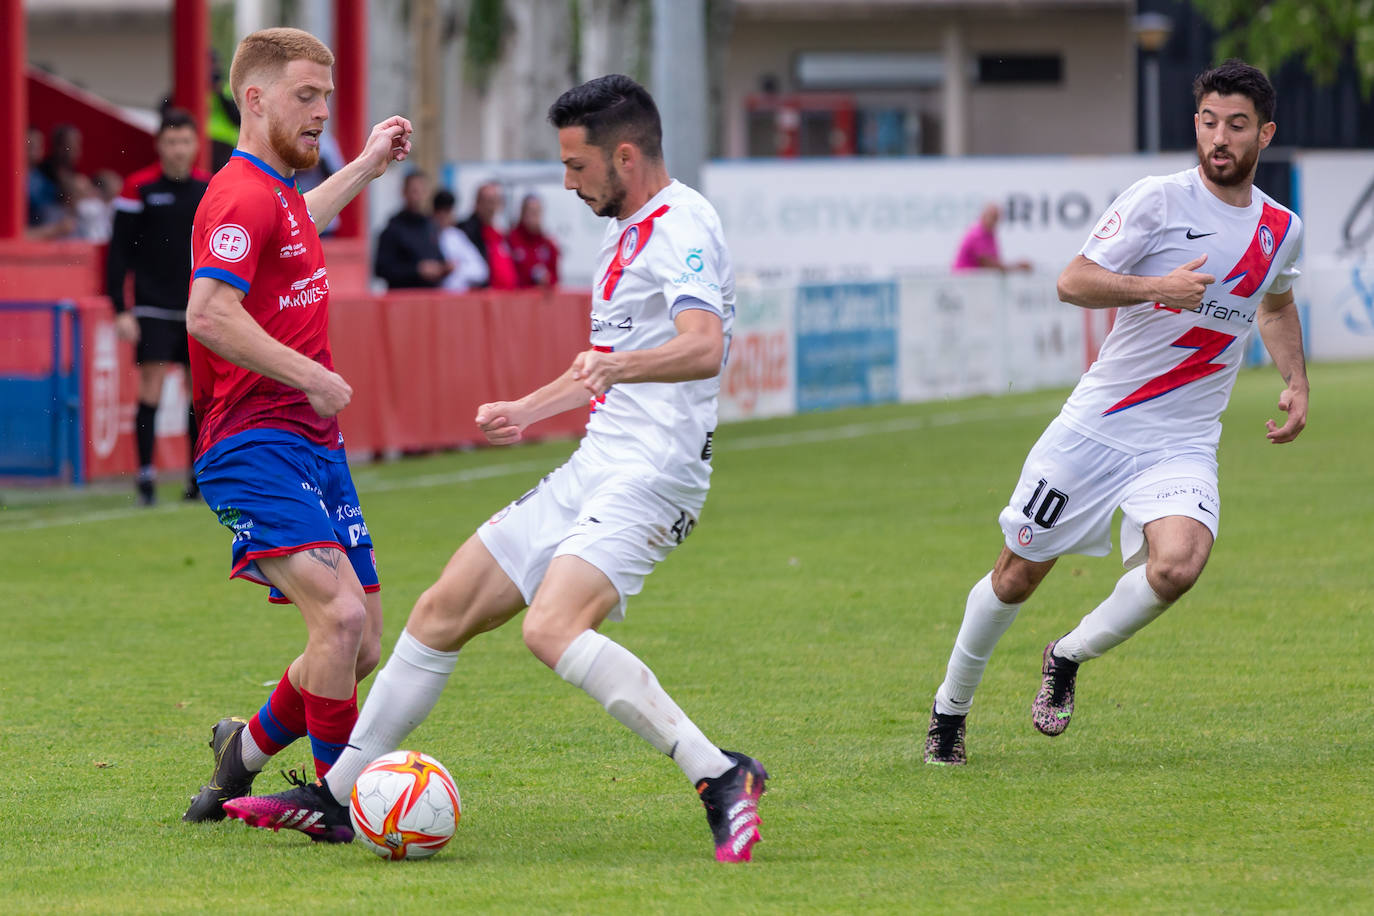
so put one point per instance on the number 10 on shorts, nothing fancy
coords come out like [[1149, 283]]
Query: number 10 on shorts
[[1045, 511]]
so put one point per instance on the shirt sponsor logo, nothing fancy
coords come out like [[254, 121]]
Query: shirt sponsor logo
[[161, 199], [294, 250], [305, 292], [230, 242]]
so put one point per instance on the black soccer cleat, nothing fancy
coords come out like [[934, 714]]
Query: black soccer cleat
[[308, 808], [230, 779], [945, 740], [732, 807], [147, 492]]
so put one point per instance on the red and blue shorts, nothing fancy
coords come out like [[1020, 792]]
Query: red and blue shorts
[[281, 494]]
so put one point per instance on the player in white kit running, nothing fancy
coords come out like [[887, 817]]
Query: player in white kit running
[[1140, 430], [577, 545]]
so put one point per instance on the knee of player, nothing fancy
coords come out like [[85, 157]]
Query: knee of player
[[544, 636], [346, 618], [1013, 585], [1172, 577]]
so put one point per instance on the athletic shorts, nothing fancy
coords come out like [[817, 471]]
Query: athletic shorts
[[280, 494], [605, 515], [161, 340], [1071, 485]]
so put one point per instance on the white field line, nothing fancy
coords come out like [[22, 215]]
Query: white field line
[[449, 478]]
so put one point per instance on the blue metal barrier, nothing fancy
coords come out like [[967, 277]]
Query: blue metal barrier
[[40, 414]]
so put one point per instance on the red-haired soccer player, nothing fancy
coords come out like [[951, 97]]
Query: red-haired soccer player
[[270, 457]]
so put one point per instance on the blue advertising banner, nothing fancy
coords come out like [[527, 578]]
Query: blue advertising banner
[[846, 345]]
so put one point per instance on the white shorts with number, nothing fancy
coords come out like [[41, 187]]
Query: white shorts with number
[[606, 515], [1071, 485]]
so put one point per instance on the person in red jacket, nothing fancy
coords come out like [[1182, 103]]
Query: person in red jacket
[[534, 253]]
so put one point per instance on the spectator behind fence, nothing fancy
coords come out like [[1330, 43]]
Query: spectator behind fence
[[94, 205], [152, 239], [467, 266], [47, 218], [534, 253], [978, 250], [60, 165], [482, 232], [408, 255]]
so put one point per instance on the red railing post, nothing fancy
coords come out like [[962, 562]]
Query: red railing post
[[14, 116]]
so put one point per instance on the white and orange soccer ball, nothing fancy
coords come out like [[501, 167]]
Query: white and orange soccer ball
[[405, 806]]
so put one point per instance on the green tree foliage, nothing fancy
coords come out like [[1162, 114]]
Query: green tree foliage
[[1319, 32], [485, 34]]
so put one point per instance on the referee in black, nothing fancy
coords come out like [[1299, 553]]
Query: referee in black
[[151, 238]]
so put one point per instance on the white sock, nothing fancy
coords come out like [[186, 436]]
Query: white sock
[[619, 681], [1131, 605], [254, 757], [404, 692], [986, 618]]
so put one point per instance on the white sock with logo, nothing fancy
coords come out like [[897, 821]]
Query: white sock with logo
[[620, 682], [1130, 606], [403, 694], [986, 618]]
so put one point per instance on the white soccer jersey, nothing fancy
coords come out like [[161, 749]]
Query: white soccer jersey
[[1164, 375], [668, 256]]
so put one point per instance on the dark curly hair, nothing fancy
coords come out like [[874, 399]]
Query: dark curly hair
[[1236, 77], [614, 109]]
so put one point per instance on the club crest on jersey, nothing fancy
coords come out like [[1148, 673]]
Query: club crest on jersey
[[632, 241], [230, 242], [1266, 240], [291, 217], [629, 245]]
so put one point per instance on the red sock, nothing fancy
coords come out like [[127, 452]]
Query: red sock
[[281, 719], [329, 722]]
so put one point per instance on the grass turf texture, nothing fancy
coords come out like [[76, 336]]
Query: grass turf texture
[[1220, 761]]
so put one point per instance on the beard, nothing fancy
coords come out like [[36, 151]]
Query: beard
[[615, 194], [283, 143], [1235, 172]]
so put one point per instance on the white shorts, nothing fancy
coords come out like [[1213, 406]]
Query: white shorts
[[1071, 485], [605, 515]]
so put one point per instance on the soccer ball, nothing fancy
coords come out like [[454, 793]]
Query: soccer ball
[[405, 806]]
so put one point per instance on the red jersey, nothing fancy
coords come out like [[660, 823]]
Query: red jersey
[[499, 262], [535, 256], [253, 231]]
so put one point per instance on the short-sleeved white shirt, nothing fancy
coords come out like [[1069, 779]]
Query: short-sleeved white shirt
[[668, 256], [1164, 375]]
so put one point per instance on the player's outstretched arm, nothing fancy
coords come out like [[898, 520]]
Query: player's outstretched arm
[[1089, 285], [389, 142], [504, 422], [695, 352], [215, 316], [1281, 332]]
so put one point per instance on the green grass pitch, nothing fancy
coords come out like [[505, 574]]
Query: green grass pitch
[[1221, 761]]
